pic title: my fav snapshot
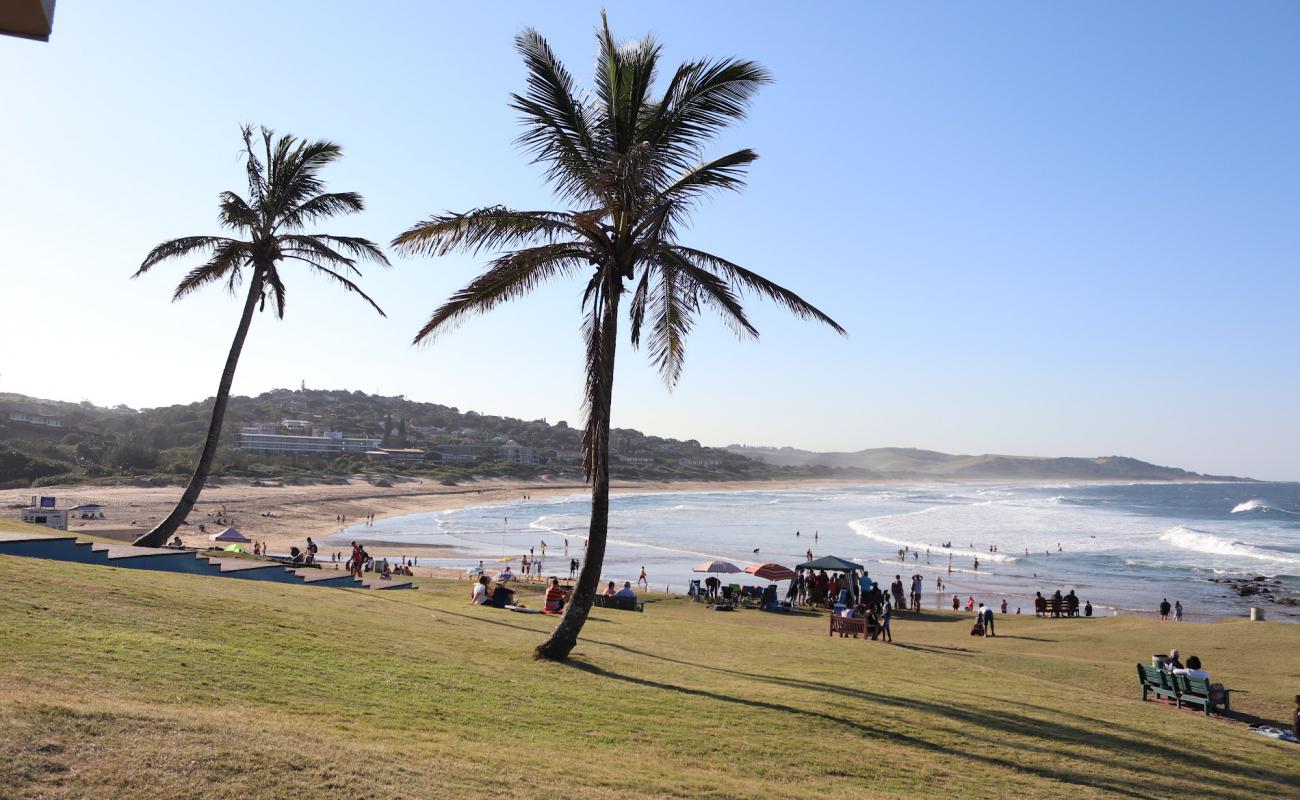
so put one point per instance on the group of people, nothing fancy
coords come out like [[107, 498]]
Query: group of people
[[824, 590], [1176, 608], [1059, 605]]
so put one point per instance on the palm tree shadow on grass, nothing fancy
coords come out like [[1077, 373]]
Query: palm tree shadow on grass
[[1000, 722], [866, 731]]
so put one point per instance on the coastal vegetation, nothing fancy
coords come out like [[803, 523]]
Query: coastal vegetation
[[630, 166], [285, 195], [265, 691], [159, 446]]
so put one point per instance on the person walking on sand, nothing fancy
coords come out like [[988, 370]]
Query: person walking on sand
[[956, 602], [1178, 611], [1164, 609], [642, 579]]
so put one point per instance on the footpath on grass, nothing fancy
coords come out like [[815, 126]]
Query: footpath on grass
[[121, 682]]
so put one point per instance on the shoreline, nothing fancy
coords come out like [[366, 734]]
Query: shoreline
[[285, 516]]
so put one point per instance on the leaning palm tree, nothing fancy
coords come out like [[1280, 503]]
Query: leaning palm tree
[[285, 194], [629, 166]]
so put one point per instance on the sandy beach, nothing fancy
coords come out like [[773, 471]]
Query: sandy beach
[[283, 516]]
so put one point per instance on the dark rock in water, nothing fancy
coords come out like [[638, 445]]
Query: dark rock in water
[[1288, 601], [1260, 578], [1247, 590]]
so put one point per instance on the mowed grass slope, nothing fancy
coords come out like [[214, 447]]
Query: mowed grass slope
[[121, 683]]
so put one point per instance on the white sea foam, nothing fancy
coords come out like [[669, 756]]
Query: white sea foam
[[1203, 542], [1261, 506], [869, 528]]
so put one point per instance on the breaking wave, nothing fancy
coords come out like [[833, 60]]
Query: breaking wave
[[1203, 542], [1261, 506]]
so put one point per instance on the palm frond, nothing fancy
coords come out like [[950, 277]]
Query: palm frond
[[673, 306], [716, 293], [275, 286], [625, 72], [757, 283], [509, 276], [227, 258], [255, 168], [485, 228], [322, 246], [235, 212], [556, 125], [177, 248], [725, 172], [320, 206], [702, 98], [339, 279]]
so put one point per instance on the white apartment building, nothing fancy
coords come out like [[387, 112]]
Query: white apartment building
[[332, 443]]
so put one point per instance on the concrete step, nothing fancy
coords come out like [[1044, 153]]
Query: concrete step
[[379, 583]]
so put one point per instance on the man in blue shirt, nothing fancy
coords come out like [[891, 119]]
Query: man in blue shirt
[[626, 591]]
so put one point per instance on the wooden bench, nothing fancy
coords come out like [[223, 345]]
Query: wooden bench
[[848, 626], [618, 603], [1196, 691], [1157, 682]]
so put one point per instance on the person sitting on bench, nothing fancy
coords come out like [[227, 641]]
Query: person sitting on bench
[[610, 591], [1193, 670], [555, 596], [626, 591]]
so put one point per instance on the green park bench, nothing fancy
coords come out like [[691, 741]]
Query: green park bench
[[1156, 681], [1197, 692], [1180, 688]]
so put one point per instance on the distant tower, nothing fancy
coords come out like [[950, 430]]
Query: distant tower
[[303, 387]]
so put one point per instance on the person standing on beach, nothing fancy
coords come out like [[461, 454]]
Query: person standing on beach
[[885, 635], [642, 579], [1164, 609], [987, 619]]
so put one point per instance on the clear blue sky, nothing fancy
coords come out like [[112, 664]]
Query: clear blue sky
[[1051, 229]]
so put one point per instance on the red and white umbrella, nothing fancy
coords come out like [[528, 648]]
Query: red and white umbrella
[[771, 572]]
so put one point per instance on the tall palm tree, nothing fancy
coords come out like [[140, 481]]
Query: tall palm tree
[[285, 194], [629, 166]]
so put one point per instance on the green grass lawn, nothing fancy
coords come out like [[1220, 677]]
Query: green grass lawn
[[121, 683]]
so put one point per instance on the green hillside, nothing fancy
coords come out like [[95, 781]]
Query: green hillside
[[161, 444]]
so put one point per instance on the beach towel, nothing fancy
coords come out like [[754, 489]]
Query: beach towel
[[1275, 733]]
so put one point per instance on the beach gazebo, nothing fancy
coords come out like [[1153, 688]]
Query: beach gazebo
[[832, 564], [231, 535]]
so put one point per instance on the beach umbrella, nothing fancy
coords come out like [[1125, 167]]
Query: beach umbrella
[[503, 559], [474, 571], [771, 572], [717, 566]]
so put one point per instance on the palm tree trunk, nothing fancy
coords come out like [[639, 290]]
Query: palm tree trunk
[[165, 529], [565, 636]]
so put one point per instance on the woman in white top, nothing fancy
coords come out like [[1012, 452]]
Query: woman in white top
[[479, 595]]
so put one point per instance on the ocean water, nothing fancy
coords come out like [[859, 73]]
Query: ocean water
[[1123, 547]]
